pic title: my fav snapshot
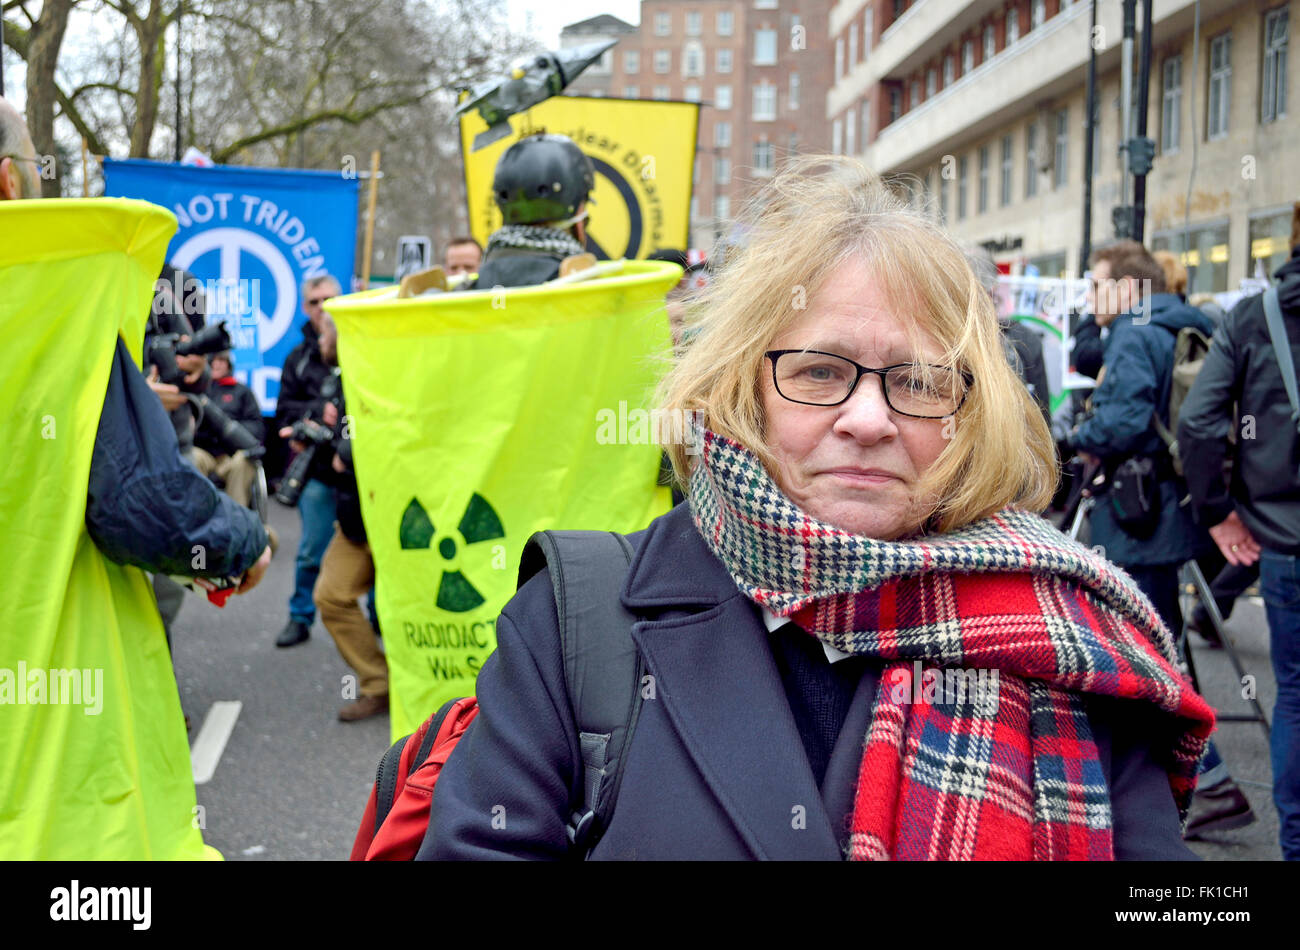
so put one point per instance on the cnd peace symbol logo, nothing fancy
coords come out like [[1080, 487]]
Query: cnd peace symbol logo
[[615, 223], [244, 255], [479, 523]]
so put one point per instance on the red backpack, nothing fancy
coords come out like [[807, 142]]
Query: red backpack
[[603, 673]]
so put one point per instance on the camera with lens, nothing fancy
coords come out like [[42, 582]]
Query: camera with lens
[[313, 435], [165, 347]]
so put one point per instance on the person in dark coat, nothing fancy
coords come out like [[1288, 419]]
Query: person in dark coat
[[541, 184], [1128, 297], [303, 376], [212, 456], [860, 476], [1255, 517]]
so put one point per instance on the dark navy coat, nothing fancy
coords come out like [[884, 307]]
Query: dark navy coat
[[1139, 364], [716, 768]]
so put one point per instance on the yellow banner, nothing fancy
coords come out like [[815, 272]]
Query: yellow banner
[[476, 420], [643, 152]]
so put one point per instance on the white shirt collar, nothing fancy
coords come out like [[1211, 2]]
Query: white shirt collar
[[773, 623]]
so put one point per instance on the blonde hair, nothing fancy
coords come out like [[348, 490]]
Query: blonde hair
[[817, 213], [1175, 272]]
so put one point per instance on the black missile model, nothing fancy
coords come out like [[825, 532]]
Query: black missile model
[[529, 83]]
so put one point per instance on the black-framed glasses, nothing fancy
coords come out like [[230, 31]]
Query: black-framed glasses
[[316, 301], [817, 378]]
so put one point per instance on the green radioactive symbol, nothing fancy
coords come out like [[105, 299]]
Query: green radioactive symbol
[[479, 523]]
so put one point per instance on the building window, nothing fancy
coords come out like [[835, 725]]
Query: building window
[[632, 61], [899, 7], [721, 170], [1013, 25], [695, 209], [722, 135], [1171, 104], [1004, 192], [1270, 243], [853, 44], [851, 132], [1273, 95], [1205, 257], [721, 207], [915, 99], [792, 99], [990, 42], [764, 103], [726, 23], [766, 4], [1060, 163], [866, 121], [1031, 160], [763, 159], [931, 82], [961, 187], [837, 137], [792, 145], [868, 31], [723, 61], [943, 200], [1216, 125], [692, 92], [982, 193], [693, 23], [839, 57], [631, 92], [722, 97], [1037, 14], [661, 92], [663, 24], [949, 65], [765, 47], [663, 60], [967, 56], [692, 60], [895, 103]]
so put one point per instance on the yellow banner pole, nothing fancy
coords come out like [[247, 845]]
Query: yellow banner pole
[[370, 221]]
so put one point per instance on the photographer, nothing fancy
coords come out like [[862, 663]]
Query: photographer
[[213, 451], [347, 571], [301, 398], [177, 314]]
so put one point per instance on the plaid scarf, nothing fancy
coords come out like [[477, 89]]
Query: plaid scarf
[[536, 237], [979, 745]]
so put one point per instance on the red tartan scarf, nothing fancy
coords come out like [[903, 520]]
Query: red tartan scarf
[[979, 745]]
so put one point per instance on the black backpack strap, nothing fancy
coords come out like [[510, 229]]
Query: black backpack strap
[[602, 668]]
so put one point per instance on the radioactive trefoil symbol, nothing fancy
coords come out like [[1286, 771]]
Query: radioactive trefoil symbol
[[479, 523]]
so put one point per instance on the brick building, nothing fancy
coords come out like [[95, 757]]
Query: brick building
[[760, 68], [978, 108]]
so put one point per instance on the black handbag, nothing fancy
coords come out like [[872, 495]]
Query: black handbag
[[1135, 497]]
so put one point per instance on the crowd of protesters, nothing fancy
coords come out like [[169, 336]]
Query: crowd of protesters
[[786, 403]]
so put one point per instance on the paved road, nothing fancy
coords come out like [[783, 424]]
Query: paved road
[[292, 780]]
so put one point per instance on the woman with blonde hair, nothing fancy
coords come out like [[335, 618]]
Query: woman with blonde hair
[[1175, 273], [856, 639]]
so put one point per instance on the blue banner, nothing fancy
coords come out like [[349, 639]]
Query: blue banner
[[252, 236]]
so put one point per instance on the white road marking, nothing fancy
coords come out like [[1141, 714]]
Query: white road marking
[[207, 749]]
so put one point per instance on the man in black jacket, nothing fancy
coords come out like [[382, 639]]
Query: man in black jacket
[[1257, 516], [211, 454], [347, 573], [300, 398]]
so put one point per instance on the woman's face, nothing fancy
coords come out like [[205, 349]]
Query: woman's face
[[855, 465]]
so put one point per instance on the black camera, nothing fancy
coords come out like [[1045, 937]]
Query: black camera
[[165, 347], [313, 435]]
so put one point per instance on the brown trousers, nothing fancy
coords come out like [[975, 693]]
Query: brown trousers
[[235, 470], [347, 572]]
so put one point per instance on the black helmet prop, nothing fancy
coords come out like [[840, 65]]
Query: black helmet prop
[[542, 178]]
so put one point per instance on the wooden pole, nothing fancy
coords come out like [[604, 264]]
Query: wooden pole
[[370, 221]]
